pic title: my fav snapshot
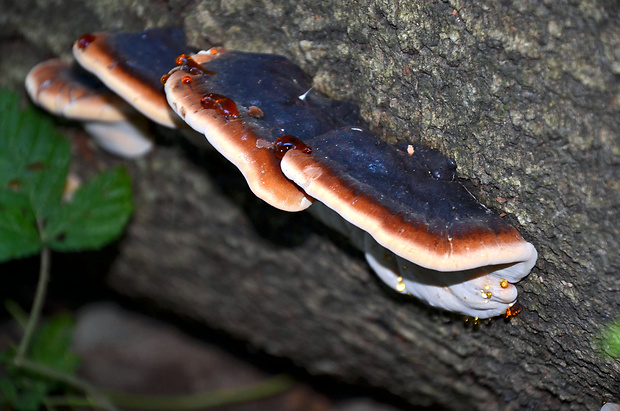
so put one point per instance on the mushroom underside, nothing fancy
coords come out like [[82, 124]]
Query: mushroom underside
[[69, 91]]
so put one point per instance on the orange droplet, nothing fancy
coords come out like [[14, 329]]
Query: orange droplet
[[182, 59], [513, 310], [186, 79], [221, 104], [286, 143], [85, 40], [164, 78], [190, 66]]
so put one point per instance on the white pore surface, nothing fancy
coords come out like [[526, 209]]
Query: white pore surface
[[124, 139], [477, 292]]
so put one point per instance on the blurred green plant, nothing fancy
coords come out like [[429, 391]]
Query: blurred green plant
[[34, 162], [610, 340], [36, 218], [22, 389]]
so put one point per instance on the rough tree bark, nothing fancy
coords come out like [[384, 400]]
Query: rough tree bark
[[523, 94]]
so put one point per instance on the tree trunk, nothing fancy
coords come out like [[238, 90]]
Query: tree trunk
[[522, 94]]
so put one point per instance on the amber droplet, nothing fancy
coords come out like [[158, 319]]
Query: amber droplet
[[164, 78], [286, 143], [186, 79], [221, 104], [400, 287], [190, 66], [513, 310], [85, 40], [474, 321], [182, 59], [503, 283]]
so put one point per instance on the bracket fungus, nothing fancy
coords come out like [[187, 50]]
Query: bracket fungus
[[66, 90], [131, 65], [117, 77], [244, 102], [422, 232]]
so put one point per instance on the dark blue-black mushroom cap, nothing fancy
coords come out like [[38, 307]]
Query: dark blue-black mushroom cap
[[244, 102], [406, 199], [131, 65]]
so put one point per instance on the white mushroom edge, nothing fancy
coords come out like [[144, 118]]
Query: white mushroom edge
[[482, 293]]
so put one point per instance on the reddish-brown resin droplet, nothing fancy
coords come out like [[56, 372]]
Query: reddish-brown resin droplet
[[182, 59], [186, 79], [164, 78], [515, 309], [286, 143], [190, 66], [221, 104], [85, 40], [255, 112]]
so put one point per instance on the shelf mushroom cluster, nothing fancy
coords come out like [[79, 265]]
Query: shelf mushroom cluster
[[112, 86], [422, 232]]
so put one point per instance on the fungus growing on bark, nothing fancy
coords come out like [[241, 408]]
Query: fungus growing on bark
[[131, 65], [421, 231], [68, 91], [244, 102], [427, 235]]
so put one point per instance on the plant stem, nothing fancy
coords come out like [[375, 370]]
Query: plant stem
[[263, 389], [24, 363], [37, 306], [68, 401], [96, 398]]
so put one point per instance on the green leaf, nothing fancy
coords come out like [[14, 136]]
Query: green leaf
[[96, 215], [34, 158], [8, 392], [33, 167], [51, 344], [34, 161], [10, 396], [51, 347], [19, 236], [30, 399]]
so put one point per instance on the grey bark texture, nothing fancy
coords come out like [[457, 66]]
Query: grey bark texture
[[525, 95]]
